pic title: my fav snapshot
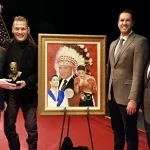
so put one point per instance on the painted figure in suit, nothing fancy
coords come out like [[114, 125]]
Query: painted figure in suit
[[25, 53], [125, 82], [67, 75], [68, 57], [56, 97], [146, 103]]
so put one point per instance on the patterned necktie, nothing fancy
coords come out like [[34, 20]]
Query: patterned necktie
[[118, 49], [64, 85]]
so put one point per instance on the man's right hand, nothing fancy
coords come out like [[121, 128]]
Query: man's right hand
[[4, 83], [5, 106]]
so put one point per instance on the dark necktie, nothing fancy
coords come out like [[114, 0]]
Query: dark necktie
[[64, 85], [117, 51]]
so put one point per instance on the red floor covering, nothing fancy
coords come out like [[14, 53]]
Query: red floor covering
[[50, 130]]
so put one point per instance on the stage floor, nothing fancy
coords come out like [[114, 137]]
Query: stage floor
[[50, 131]]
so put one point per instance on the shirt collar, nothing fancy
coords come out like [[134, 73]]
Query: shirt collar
[[126, 36], [68, 79]]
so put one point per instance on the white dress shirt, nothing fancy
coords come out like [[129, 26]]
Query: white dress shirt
[[148, 70]]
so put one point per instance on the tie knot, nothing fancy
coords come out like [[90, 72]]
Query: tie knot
[[65, 81], [121, 40]]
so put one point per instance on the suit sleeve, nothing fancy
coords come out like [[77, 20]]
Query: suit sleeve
[[140, 60], [2, 91], [33, 78], [108, 70], [107, 75], [5, 43]]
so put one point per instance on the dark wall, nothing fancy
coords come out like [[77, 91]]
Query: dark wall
[[73, 17]]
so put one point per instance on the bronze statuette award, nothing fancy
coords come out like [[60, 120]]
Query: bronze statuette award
[[14, 73]]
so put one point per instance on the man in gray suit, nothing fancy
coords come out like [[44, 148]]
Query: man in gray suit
[[146, 103], [125, 72]]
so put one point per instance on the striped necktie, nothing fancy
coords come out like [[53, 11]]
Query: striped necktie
[[118, 49]]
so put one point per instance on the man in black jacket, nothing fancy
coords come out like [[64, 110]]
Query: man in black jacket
[[4, 83], [25, 53]]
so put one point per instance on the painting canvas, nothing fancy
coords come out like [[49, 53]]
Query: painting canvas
[[72, 74]]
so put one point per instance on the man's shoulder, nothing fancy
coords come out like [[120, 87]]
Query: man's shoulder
[[90, 77], [140, 37], [2, 48], [6, 42], [115, 40], [33, 45], [72, 79]]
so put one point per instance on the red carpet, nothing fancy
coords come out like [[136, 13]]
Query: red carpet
[[50, 130]]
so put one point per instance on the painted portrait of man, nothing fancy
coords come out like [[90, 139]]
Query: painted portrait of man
[[67, 59]]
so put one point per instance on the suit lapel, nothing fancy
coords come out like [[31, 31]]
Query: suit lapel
[[70, 83], [112, 51], [124, 47]]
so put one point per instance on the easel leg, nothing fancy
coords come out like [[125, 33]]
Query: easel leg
[[65, 111], [90, 128]]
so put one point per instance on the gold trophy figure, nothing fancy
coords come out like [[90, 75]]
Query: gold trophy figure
[[14, 72]]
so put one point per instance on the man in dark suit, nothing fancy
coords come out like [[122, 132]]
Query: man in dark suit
[[4, 83], [65, 67], [67, 79], [25, 53], [128, 56], [146, 103]]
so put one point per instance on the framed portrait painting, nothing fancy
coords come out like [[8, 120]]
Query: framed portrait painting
[[72, 74]]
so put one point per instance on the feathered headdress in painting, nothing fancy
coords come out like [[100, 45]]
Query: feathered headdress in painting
[[72, 55]]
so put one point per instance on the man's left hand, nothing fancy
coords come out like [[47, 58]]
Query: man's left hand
[[131, 107], [20, 84], [5, 106], [6, 84]]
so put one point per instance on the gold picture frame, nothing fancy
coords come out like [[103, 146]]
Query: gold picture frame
[[93, 49]]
